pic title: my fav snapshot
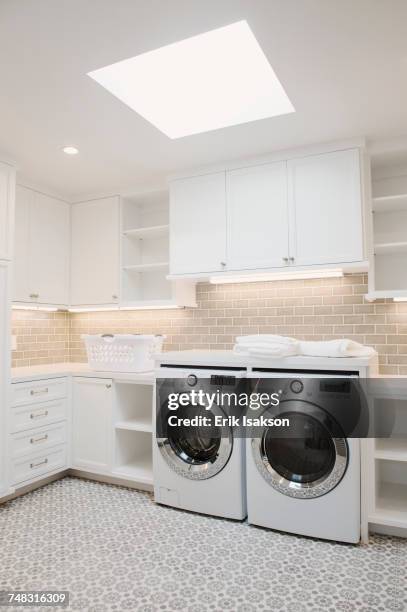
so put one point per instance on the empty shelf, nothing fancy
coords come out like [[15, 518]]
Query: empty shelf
[[147, 232], [390, 203], [135, 425], [140, 471], [382, 294], [391, 449], [161, 265], [388, 248], [391, 506]]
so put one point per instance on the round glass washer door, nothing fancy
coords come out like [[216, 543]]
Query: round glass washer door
[[308, 461], [196, 452]]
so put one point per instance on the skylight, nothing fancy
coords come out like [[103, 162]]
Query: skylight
[[210, 81]]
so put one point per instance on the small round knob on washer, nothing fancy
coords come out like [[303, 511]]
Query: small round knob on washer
[[296, 386], [192, 379]]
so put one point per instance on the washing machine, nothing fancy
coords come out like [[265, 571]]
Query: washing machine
[[199, 467], [306, 479]]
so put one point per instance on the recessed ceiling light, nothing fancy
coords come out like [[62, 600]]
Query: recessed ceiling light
[[210, 81], [70, 150]]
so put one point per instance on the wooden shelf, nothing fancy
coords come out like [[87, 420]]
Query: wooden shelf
[[390, 203], [391, 449], [147, 232], [146, 267], [390, 248], [135, 425]]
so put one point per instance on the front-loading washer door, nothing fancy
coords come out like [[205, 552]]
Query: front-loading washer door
[[196, 452], [309, 460]]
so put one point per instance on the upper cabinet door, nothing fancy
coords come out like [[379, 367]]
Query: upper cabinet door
[[7, 194], [95, 252], [257, 213], [198, 224], [325, 208], [21, 283], [49, 250]]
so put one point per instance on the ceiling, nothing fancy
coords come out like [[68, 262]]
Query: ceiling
[[342, 63]]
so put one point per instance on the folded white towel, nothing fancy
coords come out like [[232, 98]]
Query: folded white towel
[[271, 345], [266, 345], [335, 348], [278, 350], [269, 339]]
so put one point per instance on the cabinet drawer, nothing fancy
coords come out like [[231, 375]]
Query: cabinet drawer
[[38, 391], [30, 468], [36, 415], [37, 440]]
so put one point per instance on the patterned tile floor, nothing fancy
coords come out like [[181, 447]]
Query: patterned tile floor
[[115, 550]]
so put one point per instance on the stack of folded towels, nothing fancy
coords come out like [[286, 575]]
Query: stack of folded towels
[[270, 345]]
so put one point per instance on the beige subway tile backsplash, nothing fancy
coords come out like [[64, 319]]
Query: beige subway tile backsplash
[[314, 309]]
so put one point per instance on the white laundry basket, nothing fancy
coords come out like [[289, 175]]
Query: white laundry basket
[[122, 352]]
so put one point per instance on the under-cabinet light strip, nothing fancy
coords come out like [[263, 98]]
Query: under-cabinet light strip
[[95, 309], [274, 276]]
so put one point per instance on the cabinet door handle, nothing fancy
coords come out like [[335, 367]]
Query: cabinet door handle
[[34, 296], [35, 465], [292, 259], [43, 391], [108, 386], [39, 414], [114, 297], [223, 264], [42, 439], [285, 259]]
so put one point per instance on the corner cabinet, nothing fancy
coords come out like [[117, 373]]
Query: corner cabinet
[[95, 252], [41, 258], [300, 212]]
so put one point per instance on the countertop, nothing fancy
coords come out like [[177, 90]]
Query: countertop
[[231, 359], [194, 358], [57, 370]]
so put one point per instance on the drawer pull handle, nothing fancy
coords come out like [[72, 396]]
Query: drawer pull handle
[[39, 414], [35, 465], [42, 439], [39, 391]]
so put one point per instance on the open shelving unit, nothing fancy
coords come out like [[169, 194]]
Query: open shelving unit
[[388, 506], [145, 255], [133, 432], [388, 270]]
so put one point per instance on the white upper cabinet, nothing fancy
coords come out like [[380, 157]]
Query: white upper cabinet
[[198, 224], [7, 189], [41, 251], [325, 208], [21, 283], [301, 212], [95, 252], [49, 257], [257, 213]]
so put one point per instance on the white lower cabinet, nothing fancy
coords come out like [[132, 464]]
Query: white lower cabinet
[[38, 430], [28, 469], [91, 424], [95, 425]]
